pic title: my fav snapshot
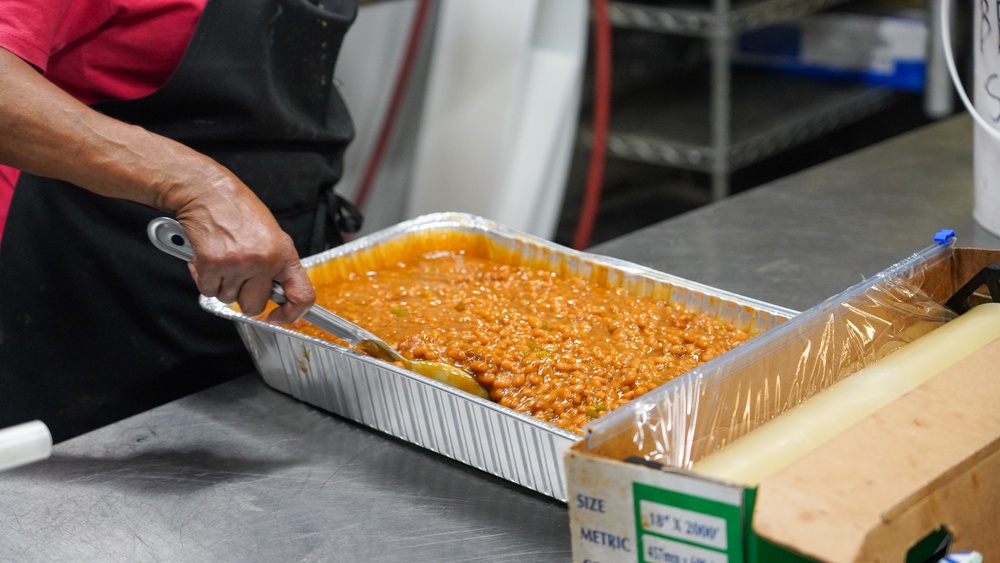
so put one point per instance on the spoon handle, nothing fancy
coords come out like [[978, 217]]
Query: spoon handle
[[168, 235], [338, 326]]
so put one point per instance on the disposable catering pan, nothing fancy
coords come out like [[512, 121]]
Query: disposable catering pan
[[469, 429]]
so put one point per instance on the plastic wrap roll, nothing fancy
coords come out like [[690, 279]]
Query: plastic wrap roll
[[789, 436], [24, 443]]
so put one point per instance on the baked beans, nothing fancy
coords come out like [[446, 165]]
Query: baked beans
[[563, 349]]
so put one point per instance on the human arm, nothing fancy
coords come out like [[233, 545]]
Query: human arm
[[239, 247]]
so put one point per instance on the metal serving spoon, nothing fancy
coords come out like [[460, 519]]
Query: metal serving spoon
[[168, 235]]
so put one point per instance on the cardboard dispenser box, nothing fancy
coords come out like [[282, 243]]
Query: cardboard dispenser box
[[876, 425]]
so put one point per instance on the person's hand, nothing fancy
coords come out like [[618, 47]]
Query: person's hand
[[240, 251]]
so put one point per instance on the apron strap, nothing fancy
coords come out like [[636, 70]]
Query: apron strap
[[335, 215]]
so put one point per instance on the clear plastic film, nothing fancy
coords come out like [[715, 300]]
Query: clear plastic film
[[710, 407]]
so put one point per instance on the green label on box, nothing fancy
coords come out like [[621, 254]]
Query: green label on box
[[674, 527]]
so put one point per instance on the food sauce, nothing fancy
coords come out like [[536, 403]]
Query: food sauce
[[560, 348]]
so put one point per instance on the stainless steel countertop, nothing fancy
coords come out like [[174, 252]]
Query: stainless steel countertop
[[808, 236], [244, 473]]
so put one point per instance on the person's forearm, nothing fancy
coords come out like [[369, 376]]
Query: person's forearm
[[239, 248], [48, 133]]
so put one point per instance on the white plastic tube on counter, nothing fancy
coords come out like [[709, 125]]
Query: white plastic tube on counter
[[24, 443], [789, 436]]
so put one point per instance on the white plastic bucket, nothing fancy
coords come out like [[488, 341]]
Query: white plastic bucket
[[986, 110]]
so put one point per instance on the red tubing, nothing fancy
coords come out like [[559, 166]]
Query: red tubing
[[601, 116], [399, 91]]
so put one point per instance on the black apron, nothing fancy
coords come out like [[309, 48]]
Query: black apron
[[95, 323]]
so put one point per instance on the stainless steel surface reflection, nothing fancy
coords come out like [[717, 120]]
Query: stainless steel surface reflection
[[243, 473]]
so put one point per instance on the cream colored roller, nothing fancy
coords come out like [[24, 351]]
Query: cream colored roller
[[786, 438]]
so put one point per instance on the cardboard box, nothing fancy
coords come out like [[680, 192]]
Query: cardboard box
[[915, 479], [879, 48]]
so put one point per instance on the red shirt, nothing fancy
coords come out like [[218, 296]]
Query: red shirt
[[96, 50]]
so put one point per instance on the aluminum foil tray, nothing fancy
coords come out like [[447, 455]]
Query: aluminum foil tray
[[474, 431]]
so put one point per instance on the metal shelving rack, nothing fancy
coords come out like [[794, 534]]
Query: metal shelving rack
[[773, 116]]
